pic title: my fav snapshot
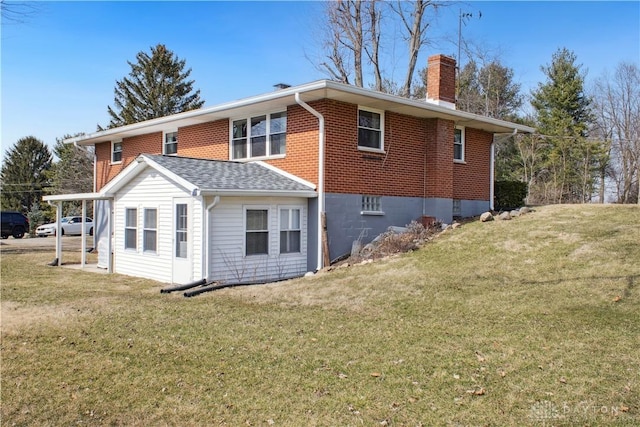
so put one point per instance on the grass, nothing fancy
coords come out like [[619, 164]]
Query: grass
[[532, 321]]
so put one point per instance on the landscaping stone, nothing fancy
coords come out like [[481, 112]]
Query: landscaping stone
[[487, 216]]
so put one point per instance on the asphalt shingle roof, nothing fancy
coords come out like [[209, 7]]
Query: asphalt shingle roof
[[227, 175]]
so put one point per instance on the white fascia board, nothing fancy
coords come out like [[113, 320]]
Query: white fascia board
[[74, 197], [175, 119], [138, 165], [197, 116], [286, 174]]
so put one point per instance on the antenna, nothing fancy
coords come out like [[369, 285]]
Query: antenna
[[463, 17]]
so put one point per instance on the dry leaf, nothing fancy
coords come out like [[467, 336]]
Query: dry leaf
[[480, 357], [624, 408], [375, 374], [477, 391], [617, 298], [563, 380]]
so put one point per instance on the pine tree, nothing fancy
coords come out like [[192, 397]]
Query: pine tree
[[24, 174], [72, 173], [157, 86], [563, 113]]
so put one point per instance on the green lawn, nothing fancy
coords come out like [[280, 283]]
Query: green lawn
[[534, 321]]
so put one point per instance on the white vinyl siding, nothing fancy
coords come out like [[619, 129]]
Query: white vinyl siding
[[228, 261], [152, 190]]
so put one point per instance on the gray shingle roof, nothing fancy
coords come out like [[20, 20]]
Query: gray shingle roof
[[227, 175]]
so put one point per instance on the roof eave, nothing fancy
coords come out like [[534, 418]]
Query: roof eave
[[259, 193]]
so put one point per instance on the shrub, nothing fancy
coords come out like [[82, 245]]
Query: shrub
[[509, 194]]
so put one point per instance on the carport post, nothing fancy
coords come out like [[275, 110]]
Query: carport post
[[83, 234], [58, 229]]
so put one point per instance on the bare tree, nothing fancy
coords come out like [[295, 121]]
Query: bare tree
[[617, 108], [17, 12], [413, 17], [373, 49], [345, 40]]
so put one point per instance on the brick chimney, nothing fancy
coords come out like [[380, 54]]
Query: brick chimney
[[441, 81]]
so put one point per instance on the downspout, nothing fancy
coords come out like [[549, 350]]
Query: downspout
[[205, 236], [320, 172]]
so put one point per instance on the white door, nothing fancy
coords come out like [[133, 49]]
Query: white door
[[182, 241]]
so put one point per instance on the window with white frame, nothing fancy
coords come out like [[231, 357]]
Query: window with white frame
[[289, 230], [259, 136], [130, 228], [150, 230], [458, 144], [370, 129], [170, 144], [371, 204], [116, 152], [257, 232]]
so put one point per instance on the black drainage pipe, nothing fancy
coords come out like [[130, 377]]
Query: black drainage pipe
[[215, 287], [183, 287]]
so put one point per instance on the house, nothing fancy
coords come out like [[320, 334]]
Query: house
[[239, 192]]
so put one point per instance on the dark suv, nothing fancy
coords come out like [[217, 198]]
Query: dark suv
[[14, 224]]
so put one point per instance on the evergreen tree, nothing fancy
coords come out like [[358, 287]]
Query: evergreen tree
[[563, 114], [24, 174], [72, 173], [157, 86], [489, 90]]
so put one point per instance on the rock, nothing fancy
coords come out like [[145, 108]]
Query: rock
[[524, 210], [455, 225], [504, 216], [486, 217], [309, 274], [514, 213]]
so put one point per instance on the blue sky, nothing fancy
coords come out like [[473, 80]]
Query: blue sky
[[60, 65]]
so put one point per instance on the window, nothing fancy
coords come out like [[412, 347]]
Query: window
[[257, 232], [170, 145], [181, 231], [130, 228], [458, 144], [259, 136], [457, 207], [370, 130], [150, 230], [371, 204], [289, 230], [116, 152]]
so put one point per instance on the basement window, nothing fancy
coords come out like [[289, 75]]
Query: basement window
[[371, 205]]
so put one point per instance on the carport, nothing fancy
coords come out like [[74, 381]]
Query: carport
[[57, 201]]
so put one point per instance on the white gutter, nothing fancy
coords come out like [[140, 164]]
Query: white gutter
[[320, 172]]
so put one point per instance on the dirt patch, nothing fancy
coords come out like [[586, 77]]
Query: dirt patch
[[14, 317]]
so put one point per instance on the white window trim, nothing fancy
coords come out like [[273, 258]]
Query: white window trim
[[249, 158], [113, 143], [137, 229], [369, 212], [464, 144], [372, 110], [164, 142], [246, 208], [144, 209], [291, 207]]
